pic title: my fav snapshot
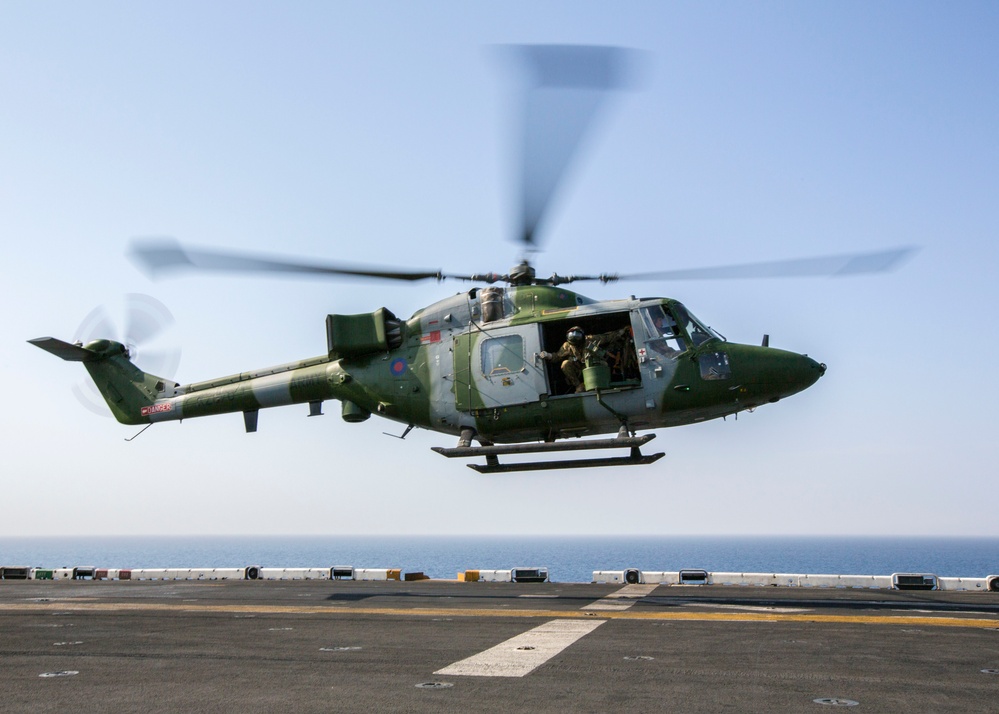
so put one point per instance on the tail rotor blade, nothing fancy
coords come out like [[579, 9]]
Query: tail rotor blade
[[96, 325], [90, 398], [145, 318], [162, 363]]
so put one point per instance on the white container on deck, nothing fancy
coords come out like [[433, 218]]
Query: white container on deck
[[377, 574], [979, 584], [747, 579], [188, 573], [295, 573], [149, 574], [845, 581]]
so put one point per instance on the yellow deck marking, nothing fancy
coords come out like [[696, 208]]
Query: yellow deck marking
[[344, 610]]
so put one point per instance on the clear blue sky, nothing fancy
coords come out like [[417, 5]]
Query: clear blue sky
[[382, 133]]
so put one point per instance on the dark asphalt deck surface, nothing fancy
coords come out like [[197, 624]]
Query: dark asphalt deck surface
[[343, 646]]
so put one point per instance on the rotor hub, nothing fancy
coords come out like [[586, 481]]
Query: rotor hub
[[522, 274]]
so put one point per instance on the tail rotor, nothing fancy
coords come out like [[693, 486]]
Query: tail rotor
[[146, 325]]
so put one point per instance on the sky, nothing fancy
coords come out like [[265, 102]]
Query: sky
[[383, 133]]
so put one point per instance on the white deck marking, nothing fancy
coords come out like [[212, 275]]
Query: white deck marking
[[622, 599], [524, 653]]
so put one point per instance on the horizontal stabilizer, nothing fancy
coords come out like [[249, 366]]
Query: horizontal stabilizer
[[72, 353]]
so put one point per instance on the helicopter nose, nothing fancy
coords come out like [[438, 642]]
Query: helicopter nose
[[801, 372], [781, 373]]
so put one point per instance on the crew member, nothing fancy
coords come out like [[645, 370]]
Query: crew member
[[575, 349]]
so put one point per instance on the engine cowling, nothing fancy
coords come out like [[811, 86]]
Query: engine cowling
[[367, 333]]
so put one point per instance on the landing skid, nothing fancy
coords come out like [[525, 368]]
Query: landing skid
[[493, 451]]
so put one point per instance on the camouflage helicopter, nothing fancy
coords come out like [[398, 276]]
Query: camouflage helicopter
[[517, 364]]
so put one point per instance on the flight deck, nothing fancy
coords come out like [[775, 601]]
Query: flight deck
[[435, 645]]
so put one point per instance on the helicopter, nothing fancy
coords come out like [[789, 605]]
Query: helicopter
[[517, 364]]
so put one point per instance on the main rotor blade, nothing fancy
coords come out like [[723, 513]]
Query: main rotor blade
[[827, 266], [163, 255], [565, 88]]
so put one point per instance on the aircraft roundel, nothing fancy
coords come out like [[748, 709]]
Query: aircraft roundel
[[398, 367]]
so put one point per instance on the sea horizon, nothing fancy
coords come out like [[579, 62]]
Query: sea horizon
[[569, 558]]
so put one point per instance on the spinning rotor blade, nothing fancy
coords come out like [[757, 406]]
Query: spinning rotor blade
[[145, 319], [565, 88], [96, 325], [827, 266], [161, 255]]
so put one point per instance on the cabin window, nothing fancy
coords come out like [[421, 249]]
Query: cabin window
[[663, 336], [502, 355]]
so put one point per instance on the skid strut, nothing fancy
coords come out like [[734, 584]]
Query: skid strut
[[493, 451]]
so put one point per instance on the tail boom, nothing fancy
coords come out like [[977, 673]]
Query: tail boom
[[136, 397]]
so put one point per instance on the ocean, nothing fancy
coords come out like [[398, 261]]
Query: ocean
[[568, 559]]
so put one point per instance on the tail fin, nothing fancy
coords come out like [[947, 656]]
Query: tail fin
[[128, 391]]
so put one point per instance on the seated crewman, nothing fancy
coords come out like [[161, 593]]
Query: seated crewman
[[574, 350]]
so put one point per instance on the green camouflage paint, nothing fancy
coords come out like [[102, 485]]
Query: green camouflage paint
[[430, 380]]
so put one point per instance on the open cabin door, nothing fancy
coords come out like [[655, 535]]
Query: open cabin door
[[498, 367]]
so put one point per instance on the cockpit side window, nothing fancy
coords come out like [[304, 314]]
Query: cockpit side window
[[662, 335]]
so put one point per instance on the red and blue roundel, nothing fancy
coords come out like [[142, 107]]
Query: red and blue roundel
[[398, 367]]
